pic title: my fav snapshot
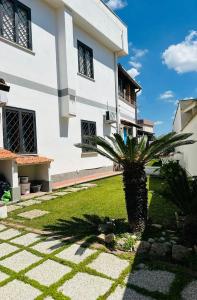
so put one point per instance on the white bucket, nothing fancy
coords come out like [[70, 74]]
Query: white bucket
[[3, 212]]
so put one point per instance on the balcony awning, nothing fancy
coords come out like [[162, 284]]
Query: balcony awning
[[32, 160], [131, 124], [7, 155]]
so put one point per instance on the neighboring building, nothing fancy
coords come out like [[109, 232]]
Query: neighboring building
[[185, 121], [127, 105], [146, 128], [59, 58]]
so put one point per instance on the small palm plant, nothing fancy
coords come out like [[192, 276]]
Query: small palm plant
[[133, 156]]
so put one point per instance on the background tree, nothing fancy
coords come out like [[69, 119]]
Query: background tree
[[133, 156]]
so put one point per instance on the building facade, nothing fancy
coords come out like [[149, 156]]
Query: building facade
[[185, 121], [59, 58]]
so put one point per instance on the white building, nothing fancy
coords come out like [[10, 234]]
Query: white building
[[186, 122], [127, 104], [59, 58]]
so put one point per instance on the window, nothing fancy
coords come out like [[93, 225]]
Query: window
[[15, 22], [19, 130], [87, 129], [85, 58]]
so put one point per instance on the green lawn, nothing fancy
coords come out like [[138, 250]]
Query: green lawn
[[105, 200]]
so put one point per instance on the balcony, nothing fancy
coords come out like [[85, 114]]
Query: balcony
[[126, 96]]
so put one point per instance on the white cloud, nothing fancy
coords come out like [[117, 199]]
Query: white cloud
[[135, 64], [133, 72], [167, 95], [182, 57], [135, 55], [157, 123], [116, 4]]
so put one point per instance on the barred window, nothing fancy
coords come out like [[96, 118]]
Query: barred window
[[19, 128], [85, 58], [15, 22], [88, 128]]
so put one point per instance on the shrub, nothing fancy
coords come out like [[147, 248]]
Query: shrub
[[4, 185]]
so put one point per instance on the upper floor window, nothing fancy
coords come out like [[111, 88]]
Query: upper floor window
[[19, 127], [85, 58], [88, 128], [15, 22]]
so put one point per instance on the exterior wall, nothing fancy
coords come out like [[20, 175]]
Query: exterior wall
[[177, 121], [36, 78], [89, 16], [189, 152], [148, 129], [127, 111]]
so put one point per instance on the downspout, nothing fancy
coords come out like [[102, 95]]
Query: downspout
[[116, 93]]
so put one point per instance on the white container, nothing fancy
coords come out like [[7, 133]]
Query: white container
[[3, 212]]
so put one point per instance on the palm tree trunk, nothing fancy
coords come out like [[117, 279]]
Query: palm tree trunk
[[136, 196]]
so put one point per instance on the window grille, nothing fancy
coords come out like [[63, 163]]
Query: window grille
[[85, 58], [15, 22], [88, 128], [19, 131]]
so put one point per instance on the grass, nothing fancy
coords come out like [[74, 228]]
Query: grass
[[105, 200]]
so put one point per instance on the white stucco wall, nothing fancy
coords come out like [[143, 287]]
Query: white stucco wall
[[177, 120], [189, 152], [35, 78], [127, 112]]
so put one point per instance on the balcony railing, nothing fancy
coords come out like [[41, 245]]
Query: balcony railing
[[127, 97]]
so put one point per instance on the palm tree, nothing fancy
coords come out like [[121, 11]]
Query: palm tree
[[133, 156]]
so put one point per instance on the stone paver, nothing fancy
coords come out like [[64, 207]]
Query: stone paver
[[75, 253], [28, 203], [18, 290], [153, 281], [48, 246], [48, 272], [3, 276], [33, 214], [88, 185], [8, 234], [85, 287], [32, 196], [2, 227], [12, 208], [19, 261], [109, 265], [190, 291], [61, 194], [48, 298], [46, 198], [74, 190], [126, 294], [27, 239], [6, 249]]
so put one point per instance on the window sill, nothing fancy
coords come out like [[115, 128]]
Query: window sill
[[2, 39], [84, 76], [89, 154]]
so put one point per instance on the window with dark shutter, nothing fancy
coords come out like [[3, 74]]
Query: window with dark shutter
[[19, 130], [88, 128], [85, 59], [15, 22]]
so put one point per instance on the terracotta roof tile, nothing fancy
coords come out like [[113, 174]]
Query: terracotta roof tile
[[32, 160], [6, 155]]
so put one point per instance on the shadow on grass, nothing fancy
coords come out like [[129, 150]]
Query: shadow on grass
[[82, 228]]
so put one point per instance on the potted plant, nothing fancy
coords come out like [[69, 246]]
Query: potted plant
[[3, 207]]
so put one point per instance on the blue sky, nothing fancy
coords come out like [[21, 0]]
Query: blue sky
[[163, 54]]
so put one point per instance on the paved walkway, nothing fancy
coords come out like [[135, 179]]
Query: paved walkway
[[33, 267], [70, 182]]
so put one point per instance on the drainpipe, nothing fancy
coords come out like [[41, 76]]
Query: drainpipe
[[116, 93]]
